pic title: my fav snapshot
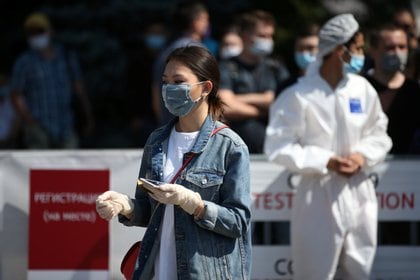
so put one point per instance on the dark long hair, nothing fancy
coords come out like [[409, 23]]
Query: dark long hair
[[203, 64]]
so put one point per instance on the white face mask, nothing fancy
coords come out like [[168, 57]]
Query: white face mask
[[228, 52], [39, 42], [262, 46]]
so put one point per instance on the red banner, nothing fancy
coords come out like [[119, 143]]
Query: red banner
[[65, 231]]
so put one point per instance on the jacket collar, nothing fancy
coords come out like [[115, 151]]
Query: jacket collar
[[203, 136]]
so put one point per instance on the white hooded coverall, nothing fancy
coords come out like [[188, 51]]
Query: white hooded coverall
[[334, 218]]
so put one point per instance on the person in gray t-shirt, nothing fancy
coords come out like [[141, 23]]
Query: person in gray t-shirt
[[249, 81]]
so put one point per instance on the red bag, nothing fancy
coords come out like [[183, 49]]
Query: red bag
[[129, 261]]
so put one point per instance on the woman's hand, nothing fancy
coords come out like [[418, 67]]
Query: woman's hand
[[177, 195], [111, 203]]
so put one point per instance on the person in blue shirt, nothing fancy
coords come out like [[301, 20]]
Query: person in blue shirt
[[44, 79]]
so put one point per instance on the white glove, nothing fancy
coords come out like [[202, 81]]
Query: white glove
[[178, 195], [110, 204]]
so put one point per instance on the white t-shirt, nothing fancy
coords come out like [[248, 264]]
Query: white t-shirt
[[165, 264]]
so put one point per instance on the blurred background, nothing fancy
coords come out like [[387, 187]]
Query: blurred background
[[108, 37]]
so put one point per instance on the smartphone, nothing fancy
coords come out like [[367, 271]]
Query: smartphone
[[148, 184]]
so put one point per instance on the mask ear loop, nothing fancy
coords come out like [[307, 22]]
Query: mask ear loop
[[198, 99], [201, 95], [189, 92], [346, 49]]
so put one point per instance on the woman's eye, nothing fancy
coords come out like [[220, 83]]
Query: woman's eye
[[176, 82]]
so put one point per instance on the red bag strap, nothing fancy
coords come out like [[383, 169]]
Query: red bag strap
[[217, 129], [191, 156]]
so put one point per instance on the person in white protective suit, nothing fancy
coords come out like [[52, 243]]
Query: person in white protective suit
[[330, 129]]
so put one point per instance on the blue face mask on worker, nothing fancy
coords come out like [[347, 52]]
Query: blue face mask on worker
[[303, 59], [356, 63], [177, 99]]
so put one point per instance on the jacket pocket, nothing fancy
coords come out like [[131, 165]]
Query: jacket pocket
[[205, 182]]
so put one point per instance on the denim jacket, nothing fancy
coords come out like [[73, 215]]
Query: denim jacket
[[218, 246]]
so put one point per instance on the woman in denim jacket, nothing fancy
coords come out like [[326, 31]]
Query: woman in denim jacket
[[198, 227]]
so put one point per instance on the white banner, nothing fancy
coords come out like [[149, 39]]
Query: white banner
[[391, 263], [397, 192], [14, 210]]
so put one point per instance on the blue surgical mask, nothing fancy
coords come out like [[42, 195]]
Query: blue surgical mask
[[355, 65], [303, 59], [177, 99]]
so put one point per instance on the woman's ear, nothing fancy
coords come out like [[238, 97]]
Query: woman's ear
[[207, 87]]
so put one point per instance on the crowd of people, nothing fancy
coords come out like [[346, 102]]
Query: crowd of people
[[51, 107], [330, 124]]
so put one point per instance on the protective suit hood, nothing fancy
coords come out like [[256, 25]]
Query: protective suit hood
[[336, 31]]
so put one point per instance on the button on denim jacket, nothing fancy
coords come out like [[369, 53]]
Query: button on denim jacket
[[218, 246]]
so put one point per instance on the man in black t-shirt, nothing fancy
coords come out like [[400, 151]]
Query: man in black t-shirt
[[400, 96]]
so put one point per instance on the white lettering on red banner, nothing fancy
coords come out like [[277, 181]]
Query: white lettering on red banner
[[49, 216], [65, 197]]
